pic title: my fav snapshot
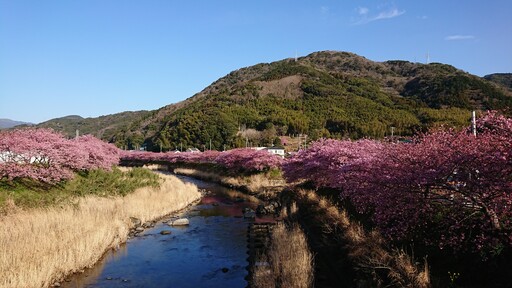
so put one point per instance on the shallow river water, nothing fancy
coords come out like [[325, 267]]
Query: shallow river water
[[210, 252]]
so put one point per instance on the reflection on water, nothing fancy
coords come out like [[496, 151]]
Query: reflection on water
[[211, 252]]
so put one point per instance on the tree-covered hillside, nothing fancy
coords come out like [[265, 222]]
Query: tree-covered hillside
[[504, 79], [104, 127], [328, 94], [325, 94]]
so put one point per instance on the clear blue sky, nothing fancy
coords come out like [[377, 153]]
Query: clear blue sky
[[99, 57]]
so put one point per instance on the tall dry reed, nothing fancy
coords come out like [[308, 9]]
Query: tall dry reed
[[40, 246], [288, 262], [291, 260]]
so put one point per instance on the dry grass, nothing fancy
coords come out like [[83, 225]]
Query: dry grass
[[40, 246], [290, 257], [366, 249], [255, 184], [208, 176], [156, 167], [290, 261], [287, 87], [262, 274]]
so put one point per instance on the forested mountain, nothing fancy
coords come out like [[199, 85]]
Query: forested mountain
[[325, 94], [104, 127], [504, 79]]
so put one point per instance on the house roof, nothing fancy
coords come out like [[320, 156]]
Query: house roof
[[274, 148]]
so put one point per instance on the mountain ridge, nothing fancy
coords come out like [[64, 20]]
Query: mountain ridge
[[8, 123], [502, 79], [324, 94], [101, 127]]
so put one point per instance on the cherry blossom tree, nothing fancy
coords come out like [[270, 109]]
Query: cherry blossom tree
[[447, 188], [249, 160], [45, 155], [326, 161], [100, 155], [240, 160]]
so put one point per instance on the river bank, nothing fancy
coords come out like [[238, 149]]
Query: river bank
[[265, 186], [209, 252], [345, 253], [40, 246]]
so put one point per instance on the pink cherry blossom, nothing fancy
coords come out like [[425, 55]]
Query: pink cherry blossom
[[446, 188], [45, 155]]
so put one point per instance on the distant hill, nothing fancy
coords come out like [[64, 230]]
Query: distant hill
[[104, 127], [325, 94], [504, 79], [8, 123]]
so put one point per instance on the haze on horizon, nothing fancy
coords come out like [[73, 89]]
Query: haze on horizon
[[95, 58]]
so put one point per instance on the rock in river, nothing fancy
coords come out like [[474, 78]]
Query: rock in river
[[135, 221], [179, 222], [249, 213]]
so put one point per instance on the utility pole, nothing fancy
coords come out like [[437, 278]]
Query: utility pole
[[473, 123]]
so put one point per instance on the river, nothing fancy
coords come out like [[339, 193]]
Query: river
[[210, 252]]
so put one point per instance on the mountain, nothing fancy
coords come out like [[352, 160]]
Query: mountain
[[504, 79], [8, 123], [104, 127], [325, 94]]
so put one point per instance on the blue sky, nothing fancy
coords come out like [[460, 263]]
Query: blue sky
[[100, 57]]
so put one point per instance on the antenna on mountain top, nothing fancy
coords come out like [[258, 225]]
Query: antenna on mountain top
[[428, 58], [296, 57]]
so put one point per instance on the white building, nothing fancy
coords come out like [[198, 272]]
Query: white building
[[276, 150]]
